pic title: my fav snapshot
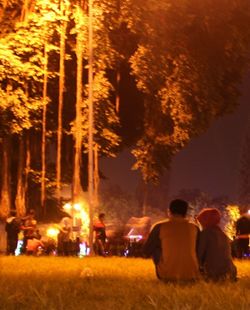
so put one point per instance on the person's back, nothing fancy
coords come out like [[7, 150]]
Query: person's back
[[172, 244], [33, 245], [214, 249], [178, 240], [12, 228]]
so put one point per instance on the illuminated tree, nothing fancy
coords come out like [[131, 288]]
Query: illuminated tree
[[17, 110], [189, 63], [232, 214], [64, 9]]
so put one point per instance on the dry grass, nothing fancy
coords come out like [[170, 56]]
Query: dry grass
[[109, 283]]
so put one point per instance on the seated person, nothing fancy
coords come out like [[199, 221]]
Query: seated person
[[214, 248], [33, 246], [172, 245]]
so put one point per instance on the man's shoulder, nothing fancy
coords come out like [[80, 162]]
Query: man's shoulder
[[193, 224], [160, 223], [183, 222]]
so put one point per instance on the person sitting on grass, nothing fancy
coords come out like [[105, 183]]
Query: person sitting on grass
[[214, 248], [33, 246], [172, 245]]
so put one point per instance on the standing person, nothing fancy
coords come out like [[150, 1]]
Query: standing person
[[214, 248], [12, 228], [172, 245], [100, 235], [29, 228], [64, 237], [242, 236]]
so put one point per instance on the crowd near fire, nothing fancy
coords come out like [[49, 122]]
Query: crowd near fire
[[70, 236]]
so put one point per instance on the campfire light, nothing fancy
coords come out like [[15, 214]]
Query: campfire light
[[52, 232]]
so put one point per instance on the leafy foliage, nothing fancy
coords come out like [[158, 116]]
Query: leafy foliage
[[189, 63]]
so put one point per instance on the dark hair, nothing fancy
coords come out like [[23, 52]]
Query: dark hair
[[101, 216], [178, 207]]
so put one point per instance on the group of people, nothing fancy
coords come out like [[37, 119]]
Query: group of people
[[183, 252], [68, 246], [31, 236], [31, 240]]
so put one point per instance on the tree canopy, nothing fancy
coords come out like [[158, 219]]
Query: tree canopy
[[174, 65]]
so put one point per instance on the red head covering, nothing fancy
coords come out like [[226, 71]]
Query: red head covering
[[209, 217]]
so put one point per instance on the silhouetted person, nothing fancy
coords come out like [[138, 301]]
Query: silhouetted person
[[12, 228], [100, 235], [29, 228], [214, 248], [242, 235], [172, 245]]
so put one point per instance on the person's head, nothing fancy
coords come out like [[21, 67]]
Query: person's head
[[178, 207], [31, 213], [101, 216], [209, 217]]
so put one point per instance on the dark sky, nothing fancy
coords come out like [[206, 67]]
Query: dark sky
[[209, 163]]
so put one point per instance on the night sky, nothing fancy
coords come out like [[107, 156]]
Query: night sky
[[209, 163]]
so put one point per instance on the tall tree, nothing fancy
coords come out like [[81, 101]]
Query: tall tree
[[189, 62], [80, 20], [64, 9]]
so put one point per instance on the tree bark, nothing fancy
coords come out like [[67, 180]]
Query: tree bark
[[145, 199], [60, 102], [117, 94], [44, 118], [20, 194], [96, 179], [5, 190], [27, 167], [91, 128], [76, 188]]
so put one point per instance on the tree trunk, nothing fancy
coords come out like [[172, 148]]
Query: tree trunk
[[91, 128], [43, 155], [96, 179], [20, 194], [60, 102], [5, 190], [78, 121], [145, 199], [117, 94], [25, 11], [27, 167]]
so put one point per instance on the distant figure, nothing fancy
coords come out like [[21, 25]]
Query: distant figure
[[12, 228], [100, 235], [172, 245], [64, 240], [214, 249], [242, 236], [33, 246], [29, 228]]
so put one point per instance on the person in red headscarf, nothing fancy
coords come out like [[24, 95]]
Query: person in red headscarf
[[214, 248]]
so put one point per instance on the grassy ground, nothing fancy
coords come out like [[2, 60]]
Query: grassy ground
[[109, 283]]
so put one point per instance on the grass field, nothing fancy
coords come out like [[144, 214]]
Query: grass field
[[109, 283]]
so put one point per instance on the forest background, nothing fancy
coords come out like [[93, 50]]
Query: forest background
[[163, 71]]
